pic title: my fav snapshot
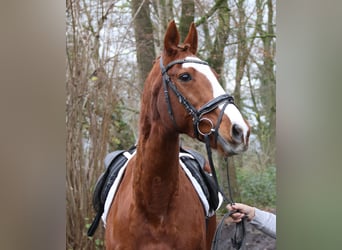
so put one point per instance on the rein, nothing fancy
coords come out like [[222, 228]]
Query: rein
[[240, 231], [240, 228]]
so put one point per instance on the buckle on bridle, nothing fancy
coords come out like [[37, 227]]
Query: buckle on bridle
[[205, 121]]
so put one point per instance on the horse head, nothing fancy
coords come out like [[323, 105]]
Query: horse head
[[189, 98]]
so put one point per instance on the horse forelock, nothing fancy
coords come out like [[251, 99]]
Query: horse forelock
[[184, 47]]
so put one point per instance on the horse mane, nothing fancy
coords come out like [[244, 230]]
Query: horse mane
[[182, 47]]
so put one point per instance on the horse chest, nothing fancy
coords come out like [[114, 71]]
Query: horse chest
[[174, 230], [170, 236]]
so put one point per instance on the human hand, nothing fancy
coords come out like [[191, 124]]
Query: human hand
[[242, 210]]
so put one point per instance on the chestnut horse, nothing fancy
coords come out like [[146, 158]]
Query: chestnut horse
[[156, 206]]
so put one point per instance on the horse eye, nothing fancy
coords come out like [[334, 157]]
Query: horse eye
[[185, 77]]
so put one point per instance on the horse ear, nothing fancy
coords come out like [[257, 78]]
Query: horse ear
[[192, 39], [171, 39]]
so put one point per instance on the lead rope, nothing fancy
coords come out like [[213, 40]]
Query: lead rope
[[240, 228]]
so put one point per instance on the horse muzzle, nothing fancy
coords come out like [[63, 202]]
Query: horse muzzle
[[232, 148]]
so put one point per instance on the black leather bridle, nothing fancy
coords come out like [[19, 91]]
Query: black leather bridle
[[197, 117], [196, 114]]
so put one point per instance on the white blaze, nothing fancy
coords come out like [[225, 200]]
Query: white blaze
[[231, 110]]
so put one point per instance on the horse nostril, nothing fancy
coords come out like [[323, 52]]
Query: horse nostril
[[237, 133]]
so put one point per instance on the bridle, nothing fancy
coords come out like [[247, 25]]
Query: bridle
[[197, 118], [197, 115]]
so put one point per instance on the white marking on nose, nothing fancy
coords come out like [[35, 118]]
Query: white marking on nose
[[236, 118], [231, 110]]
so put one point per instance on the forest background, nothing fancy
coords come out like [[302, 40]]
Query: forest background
[[110, 47]]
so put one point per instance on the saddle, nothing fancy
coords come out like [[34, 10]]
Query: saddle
[[114, 161]]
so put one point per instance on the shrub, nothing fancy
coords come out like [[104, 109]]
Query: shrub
[[257, 187]]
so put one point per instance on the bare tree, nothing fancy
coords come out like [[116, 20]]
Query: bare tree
[[267, 78], [91, 112]]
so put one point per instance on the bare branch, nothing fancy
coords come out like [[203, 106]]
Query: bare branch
[[210, 12]]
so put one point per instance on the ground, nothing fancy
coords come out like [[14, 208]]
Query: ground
[[255, 240]]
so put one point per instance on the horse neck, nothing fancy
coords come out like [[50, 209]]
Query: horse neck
[[156, 170]]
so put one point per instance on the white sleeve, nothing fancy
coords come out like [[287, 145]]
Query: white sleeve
[[265, 222]]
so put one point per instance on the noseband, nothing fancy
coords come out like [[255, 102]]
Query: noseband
[[196, 114]]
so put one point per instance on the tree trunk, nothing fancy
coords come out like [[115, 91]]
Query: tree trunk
[[144, 38], [268, 84], [187, 17], [217, 56], [270, 81]]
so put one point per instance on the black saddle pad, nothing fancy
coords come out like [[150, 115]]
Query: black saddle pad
[[206, 180], [114, 161]]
